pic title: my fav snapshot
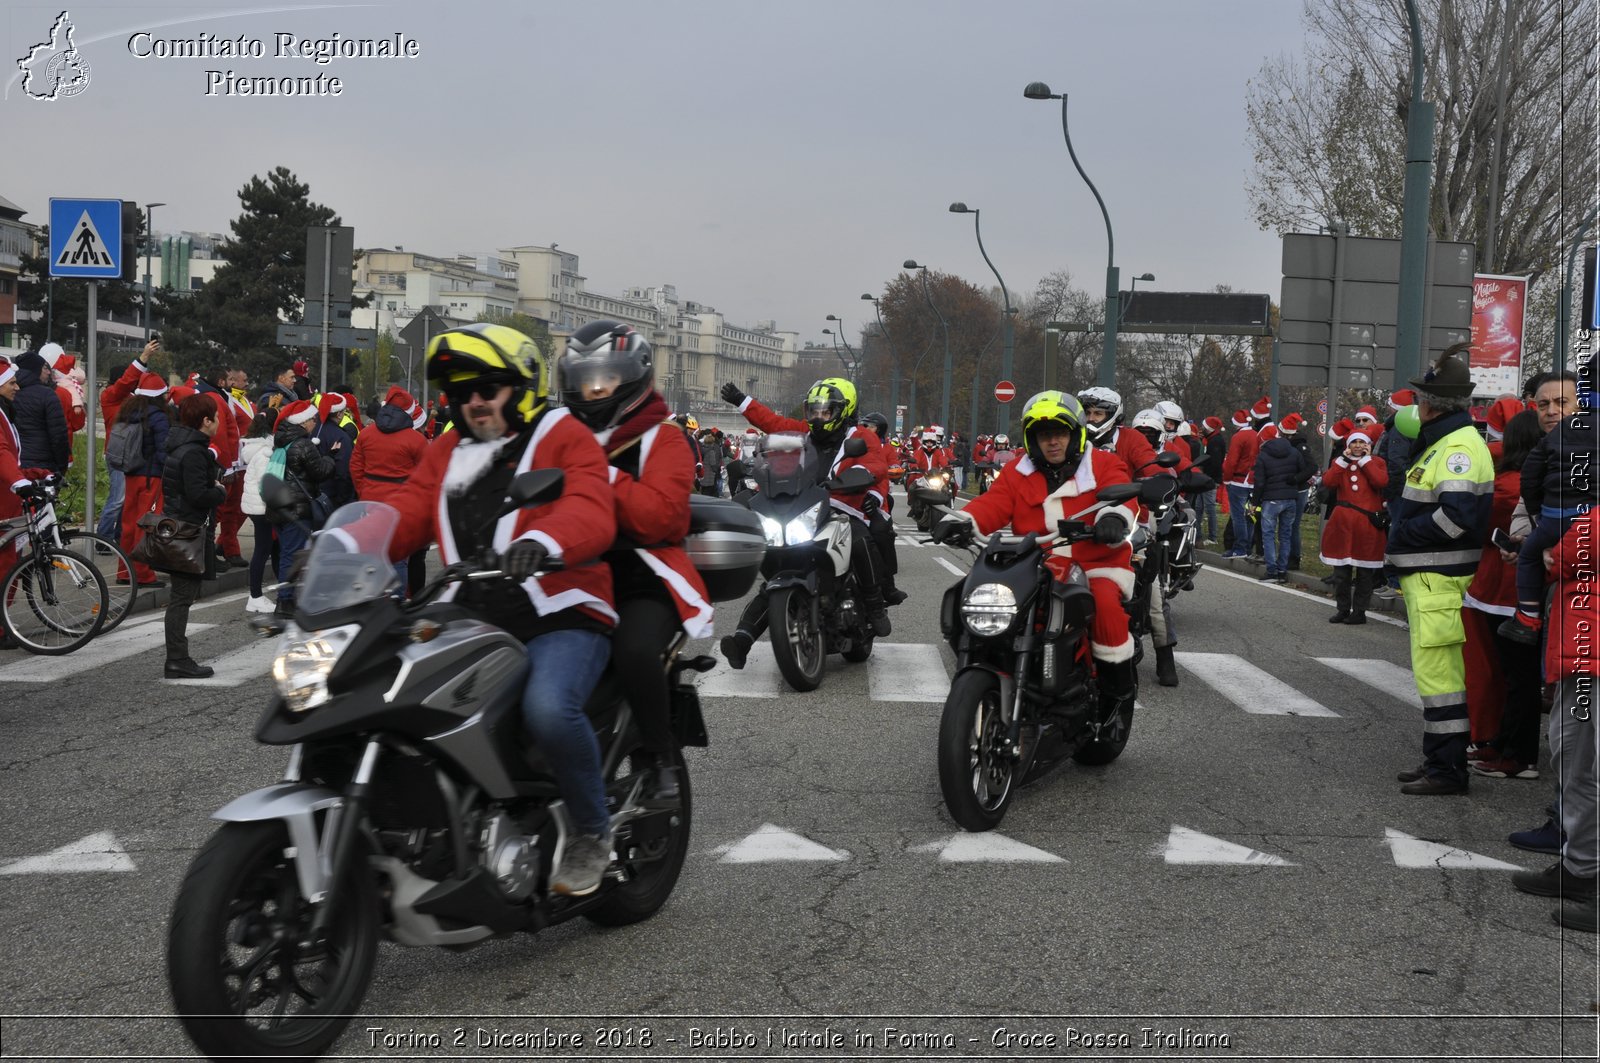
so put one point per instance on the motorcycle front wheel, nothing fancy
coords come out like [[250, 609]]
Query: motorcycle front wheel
[[242, 982], [977, 774], [797, 643]]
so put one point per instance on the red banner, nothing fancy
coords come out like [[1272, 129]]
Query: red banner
[[1497, 318]]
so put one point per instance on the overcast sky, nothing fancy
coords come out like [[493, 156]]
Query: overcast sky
[[772, 159]]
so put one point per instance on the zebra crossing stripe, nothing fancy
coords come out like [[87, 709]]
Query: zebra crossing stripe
[[126, 641], [232, 668], [758, 679], [899, 671], [1386, 676], [1253, 690], [951, 566]]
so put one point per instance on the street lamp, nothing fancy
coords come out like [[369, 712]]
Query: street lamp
[[1005, 356], [894, 361], [1133, 286], [949, 371], [854, 363], [149, 233], [1038, 90]]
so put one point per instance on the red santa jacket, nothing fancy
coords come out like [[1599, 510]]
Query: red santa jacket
[[577, 527], [1175, 445], [1574, 612], [381, 462], [1349, 537], [225, 444], [1021, 498], [114, 394], [875, 460], [1136, 452], [1494, 585], [10, 470], [1239, 467], [653, 509], [75, 414], [927, 460]]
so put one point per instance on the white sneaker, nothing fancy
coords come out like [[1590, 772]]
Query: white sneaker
[[262, 604]]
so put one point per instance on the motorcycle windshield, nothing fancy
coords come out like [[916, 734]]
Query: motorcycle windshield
[[349, 561], [785, 464]]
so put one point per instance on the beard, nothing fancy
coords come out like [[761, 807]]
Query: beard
[[471, 459]]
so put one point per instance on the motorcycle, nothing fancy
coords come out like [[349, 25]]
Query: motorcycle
[[814, 605], [1165, 544], [1025, 695], [926, 491], [412, 807], [897, 472]]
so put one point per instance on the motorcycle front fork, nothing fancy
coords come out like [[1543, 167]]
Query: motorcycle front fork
[[346, 831]]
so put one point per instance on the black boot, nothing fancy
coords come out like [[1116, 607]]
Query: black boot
[[878, 616], [1119, 686], [892, 595], [1342, 576], [187, 668], [1166, 667], [736, 647], [1361, 595]]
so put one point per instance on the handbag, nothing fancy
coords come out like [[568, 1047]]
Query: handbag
[[171, 545]]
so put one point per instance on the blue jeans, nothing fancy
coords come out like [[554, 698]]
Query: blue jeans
[[1243, 532], [1277, 524], [1207, 518], [110, 525], [292, 538], [563, 668]]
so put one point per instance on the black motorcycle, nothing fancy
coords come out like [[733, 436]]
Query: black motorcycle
[[926, 492], [1026, 694], [814, 605], [412, 807]]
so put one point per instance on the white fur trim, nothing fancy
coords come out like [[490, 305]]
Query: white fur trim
[[697, 626], [611, 473], [552, 547], [137, 391], [1123, 651], [645, 443], [748, 399], [307, 414], [9, 372]]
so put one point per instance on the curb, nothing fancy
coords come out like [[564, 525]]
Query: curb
[[1299, 580]]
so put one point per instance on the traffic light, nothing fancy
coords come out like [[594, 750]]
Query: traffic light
[[130, 241]]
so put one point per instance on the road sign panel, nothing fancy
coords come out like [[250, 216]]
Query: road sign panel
[[86, 238], [311, 336], [1316, 376], [1005, 391]]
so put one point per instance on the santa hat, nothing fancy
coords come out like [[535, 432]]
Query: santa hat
[[1212, 425], [151, 386], [1291, 424], [1361, 433], [1269, 432], [1402, 398], [1241, 419], [181, 392], [1369, 413], [302, 369], [330, 404], [401, 398], [66, 363], [1341, 428], [1262, 409], [298, 412], [7, 372], [1504, 408]]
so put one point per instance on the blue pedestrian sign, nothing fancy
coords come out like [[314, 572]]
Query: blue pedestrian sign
[[86, 238]]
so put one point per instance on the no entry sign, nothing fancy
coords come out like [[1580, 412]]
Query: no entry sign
[[1005, 391]]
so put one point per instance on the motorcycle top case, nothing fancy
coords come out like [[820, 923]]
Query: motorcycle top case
[[725, 544]]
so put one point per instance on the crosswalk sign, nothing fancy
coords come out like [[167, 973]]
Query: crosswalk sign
[[86, 238]]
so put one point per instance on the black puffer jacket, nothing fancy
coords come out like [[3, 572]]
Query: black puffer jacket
[[39, 421], [1562, 474], [306, 468], [189, 487], [1282, 471]]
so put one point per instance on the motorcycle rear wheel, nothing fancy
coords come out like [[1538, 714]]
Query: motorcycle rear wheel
[[796, 634], [653, 867], [234, 962], [976, 773]]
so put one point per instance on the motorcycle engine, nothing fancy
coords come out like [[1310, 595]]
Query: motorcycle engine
[[511, 857]]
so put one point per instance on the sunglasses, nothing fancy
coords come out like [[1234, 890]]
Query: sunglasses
[[461, 394]]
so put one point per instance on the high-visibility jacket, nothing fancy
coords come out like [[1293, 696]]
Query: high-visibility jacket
[[1442, 515]]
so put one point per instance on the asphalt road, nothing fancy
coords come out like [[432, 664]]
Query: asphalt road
[[1239, 883]]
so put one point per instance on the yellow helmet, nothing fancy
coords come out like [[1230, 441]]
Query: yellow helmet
[[831, 404], [1054, 408], [691, 424], [461, 360]]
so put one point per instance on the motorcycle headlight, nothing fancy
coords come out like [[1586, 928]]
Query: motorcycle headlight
[[304, 663], [989, 609], [803, 529], [771, 530]]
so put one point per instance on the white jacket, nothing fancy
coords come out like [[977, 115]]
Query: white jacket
[[255, 452]]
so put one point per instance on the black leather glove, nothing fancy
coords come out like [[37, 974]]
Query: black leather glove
[[731, 393], [523, 558], [869, 504], [1110, 530], [954, 530]]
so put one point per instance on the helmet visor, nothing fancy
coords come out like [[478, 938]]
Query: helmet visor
[[823, 410], [596, 376]]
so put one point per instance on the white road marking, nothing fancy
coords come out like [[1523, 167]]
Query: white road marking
[[909, 541], [1250, 688], [772, 844], [987, 847], [236, 666], [1379, 617], [127, 641], [758, 679], [900, 671], [1386, 676], [951, 566], [97, 852], [1185, 846], [1412, 852]]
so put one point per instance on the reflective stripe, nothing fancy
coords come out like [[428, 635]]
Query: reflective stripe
[[1442, 701], [1448, 526], [1447, 727], [1471, 487], [1434, 559]]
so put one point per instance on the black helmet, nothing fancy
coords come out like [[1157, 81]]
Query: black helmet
[[878, 423], [606, 373]]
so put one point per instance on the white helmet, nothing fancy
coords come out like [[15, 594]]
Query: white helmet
[[930, 435], [1098, 398], [1169, 411], [1002, 441], [1149, 419]]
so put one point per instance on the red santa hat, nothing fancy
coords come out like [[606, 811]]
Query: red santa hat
[[181, 392], [1269, 432], [1402, 398], [1504, 408], [1241, 419], [1341, 428], [401, 398], [298, 412], [302, 369], [66, 363], [1367, 412], [151, 386], [1291, 424], [7, 372], [1213, 425], [353, 406], [330, 404], [1368, 433], [1262, 409]]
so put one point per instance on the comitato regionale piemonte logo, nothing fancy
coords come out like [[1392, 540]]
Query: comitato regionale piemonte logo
[[55, 69]]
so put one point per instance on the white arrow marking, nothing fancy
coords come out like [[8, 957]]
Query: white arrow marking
[[1185, 846], [1386, 676], [987, 847], [97, 852], [770, 844], [899, 671], [1416, 853], [1249, 687]]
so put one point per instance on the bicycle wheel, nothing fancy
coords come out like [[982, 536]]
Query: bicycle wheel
[[53, 602], [108, 560]]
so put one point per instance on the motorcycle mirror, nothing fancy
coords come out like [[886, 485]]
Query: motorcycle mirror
[[855, 479], [534, 488], [1167, 459], [1156, 490], [855, 447], [1118, 492]]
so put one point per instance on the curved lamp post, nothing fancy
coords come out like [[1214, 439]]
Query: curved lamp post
[[1038, 90], [1006, 352], [1133, 286], [854, 363], [944, 411]]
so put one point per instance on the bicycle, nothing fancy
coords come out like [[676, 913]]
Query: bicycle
[[54, 601], [106, 555]]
